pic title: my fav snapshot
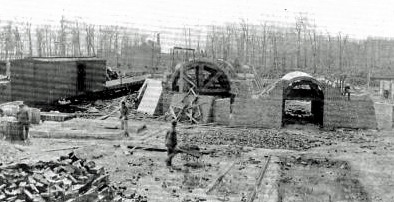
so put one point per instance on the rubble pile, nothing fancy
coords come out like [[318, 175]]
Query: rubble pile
[[298, 109], [349, 135], [103, 107], [271, 139], [68, 179]]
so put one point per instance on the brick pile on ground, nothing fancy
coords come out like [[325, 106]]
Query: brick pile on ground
[[349, 135], [68, 179], [270, 138]]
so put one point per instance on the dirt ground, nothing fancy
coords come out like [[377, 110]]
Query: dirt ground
[[315, 165]]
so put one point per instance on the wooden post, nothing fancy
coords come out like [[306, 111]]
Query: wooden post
[[181, 80], [391, 89]]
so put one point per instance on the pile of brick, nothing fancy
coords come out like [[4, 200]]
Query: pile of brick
[[272, 139], [68, 179]]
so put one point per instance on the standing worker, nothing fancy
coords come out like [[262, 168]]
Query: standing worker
[[124, 111], [24, 121], [171, 142], [347, 91]]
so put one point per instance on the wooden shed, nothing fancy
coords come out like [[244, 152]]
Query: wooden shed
[[45, 80]]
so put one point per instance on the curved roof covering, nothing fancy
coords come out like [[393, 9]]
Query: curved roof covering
[[292, 75]]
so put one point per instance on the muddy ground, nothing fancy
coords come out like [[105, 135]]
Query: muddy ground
[[314, 165]]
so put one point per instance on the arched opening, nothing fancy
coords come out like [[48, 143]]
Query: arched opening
[[205, 78], [303, 102]]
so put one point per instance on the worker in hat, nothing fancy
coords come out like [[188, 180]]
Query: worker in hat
[[171, 143], [124, 112], [24, 121]]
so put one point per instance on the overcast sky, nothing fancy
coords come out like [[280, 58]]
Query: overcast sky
[[358, 18]]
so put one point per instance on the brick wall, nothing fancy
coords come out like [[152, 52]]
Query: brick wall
[[339, 112], [261, 112], [384, 113], [221, 111]]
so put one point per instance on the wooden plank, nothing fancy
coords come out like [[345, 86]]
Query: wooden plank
[[253, 194], [211, 80], [108, 115], [219, 179]]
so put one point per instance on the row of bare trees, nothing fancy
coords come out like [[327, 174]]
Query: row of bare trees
[[273, 50], [276, 50], [119, 45]]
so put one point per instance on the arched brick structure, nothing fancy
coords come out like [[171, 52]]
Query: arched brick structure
[[303, 87]]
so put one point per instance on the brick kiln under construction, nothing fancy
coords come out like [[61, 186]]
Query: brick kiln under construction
[[205, 91]]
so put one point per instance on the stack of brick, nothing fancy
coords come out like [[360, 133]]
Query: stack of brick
[[3, 126], [35, 115], [384, 113], [359, 112], [69, 179], [13, 131], [56, 116], [263, 111], [221, 111], [257, 112], [206, 107]]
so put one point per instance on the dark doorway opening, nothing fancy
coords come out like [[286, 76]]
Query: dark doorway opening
[[81, 77], [303, 103]]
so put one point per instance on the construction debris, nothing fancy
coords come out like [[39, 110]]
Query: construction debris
[[68, 179], [191, 107]]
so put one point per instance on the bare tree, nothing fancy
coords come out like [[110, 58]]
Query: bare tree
[[40, 39], [90, 36]]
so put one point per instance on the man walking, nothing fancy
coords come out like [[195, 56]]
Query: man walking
[[171, 142], [24, 121], [124, 111]]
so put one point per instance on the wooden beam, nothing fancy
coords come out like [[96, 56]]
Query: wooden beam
[[217, 75], [181, 82], [219, 179], [189, 80], [253, 194]]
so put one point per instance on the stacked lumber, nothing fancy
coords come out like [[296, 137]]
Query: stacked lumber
[[68, 179], [56, 116]]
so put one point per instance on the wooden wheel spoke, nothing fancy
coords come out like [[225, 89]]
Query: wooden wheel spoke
[[213, 79]]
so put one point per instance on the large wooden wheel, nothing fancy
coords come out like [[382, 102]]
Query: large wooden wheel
[[205, 78]]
